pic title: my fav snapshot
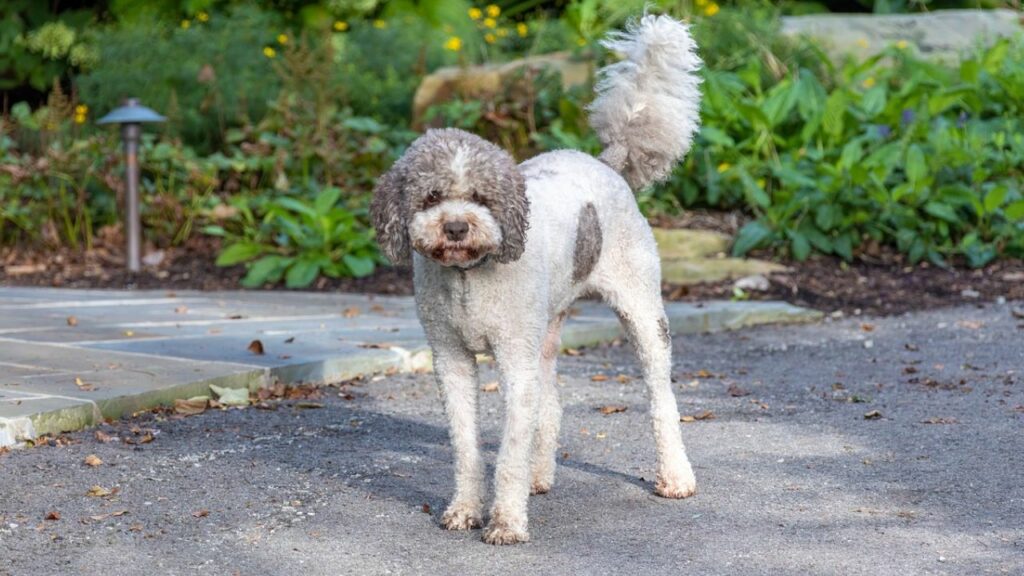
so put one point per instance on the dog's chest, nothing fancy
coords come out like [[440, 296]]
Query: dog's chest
[[456, 303], [467, 317]]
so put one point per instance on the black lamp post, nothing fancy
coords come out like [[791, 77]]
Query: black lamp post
[[130, 116]]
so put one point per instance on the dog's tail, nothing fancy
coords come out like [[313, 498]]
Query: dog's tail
[[647, 108]]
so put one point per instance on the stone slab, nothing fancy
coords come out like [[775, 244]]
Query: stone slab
[[140, 349], [943, 34]]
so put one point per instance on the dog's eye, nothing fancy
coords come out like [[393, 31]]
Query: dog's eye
[[433, 198], [478, 199]]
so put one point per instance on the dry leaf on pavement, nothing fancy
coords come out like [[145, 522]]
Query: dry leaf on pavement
[[598, 378], [72, 321], [83, 385], [489, 387], [611, 409], [54, 515], [192, 406], [872, 415], [93, 460], [98, 492], [256, 347], [201, 513], [705, 415]]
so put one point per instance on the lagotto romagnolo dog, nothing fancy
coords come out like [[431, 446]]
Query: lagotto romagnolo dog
[[500, 251]]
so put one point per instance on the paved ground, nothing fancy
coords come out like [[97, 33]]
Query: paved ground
[[71, 358], [793, 478]]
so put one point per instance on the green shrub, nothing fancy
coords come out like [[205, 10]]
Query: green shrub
[[297, 240]]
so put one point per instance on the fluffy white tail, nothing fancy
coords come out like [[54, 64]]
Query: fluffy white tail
[[648, 106]]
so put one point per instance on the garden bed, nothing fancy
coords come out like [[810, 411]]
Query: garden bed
[[879, 284]]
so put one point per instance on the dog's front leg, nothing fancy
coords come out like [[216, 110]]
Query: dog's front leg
[[520, 381], [457, 377]]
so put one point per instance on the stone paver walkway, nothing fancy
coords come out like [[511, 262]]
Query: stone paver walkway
[[69, 358]]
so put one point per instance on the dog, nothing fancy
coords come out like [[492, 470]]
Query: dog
[[500, 251]]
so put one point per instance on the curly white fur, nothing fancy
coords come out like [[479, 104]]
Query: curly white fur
[[500, 252], [647, 109]]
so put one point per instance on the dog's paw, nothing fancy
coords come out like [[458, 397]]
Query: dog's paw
[[461, 517], [501, 534], [675, 485], [540, 487]]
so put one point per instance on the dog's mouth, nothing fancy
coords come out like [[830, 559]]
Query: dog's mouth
[[450, 254]]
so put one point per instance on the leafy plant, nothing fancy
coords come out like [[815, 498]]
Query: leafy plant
[[297, 241]]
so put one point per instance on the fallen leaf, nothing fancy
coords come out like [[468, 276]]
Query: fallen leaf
[[378, 308], [181, 310], [938, 420], [256, 347], [611, 409], [137, 527], [84, 386], [290, 340], [104, 437], [201, 513], [872, 415], [705, 415], [912, 347], [736, 392], [489, 387], [377, 345], [970, 324], [191, 406], [622, 379], [54, 515], [351, 312], [867, 327], [231, 396], [98, 492], [93, 460], [309, 405], [704, 374], [598, 378], [573, 352], [425, 508], [128, 333], [72, 321]]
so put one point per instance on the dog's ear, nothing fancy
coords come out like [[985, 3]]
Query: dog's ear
[[512, 211], [391, 214]]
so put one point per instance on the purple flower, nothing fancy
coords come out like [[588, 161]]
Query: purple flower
[[908, 116], [961, 120], [883, 130]]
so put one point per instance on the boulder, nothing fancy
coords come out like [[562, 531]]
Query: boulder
[[943, 34], [489, 80]]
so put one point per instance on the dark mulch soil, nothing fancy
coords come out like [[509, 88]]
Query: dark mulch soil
[[878, 284]]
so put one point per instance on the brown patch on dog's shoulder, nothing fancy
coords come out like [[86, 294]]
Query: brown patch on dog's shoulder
[[588, 243]]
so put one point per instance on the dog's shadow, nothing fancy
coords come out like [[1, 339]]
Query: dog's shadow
[[387, 456]]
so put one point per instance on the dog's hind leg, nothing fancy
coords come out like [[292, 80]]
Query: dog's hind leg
[[549, 412], [634, 292], [457, 376]]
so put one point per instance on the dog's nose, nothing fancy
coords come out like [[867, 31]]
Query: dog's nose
[[456, 230]]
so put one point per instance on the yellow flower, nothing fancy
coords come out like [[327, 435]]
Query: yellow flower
[[711, 9], [493, 11], [868, 82], [185, 24], [522, 29], [490, 38], [454, 44], [476, 13], [380, 24], [723, 167], [282, 39], [863, 42], [202, 16], [340, 25], [502, 32], [760, 182], [81, 109], [269, 52], [79, 118], [902, 44], [490, 22]]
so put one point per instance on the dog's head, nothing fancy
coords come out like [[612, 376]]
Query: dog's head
[[454, 198]]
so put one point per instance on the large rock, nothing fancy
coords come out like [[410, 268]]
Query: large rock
[[484, 82], [944, 34], [698, 256]]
